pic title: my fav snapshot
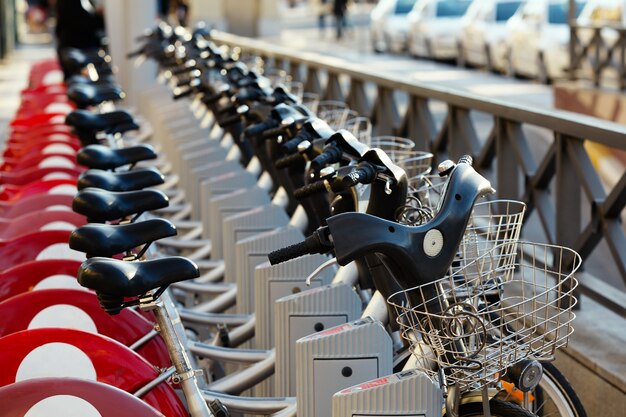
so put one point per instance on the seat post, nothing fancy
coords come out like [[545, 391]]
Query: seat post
[[185, 374]]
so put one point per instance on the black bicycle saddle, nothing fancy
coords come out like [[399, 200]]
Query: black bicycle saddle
[[100, 205], [108, 240], [135, 179], [86, 95], [103, 157], [114, 280], [100, 122]]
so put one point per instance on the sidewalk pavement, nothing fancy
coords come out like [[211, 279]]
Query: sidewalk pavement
[[14, 78]]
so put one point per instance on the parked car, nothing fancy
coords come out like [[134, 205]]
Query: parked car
[[484, 32], [435, 28], [602, 13], [538, 38], [389, 26]]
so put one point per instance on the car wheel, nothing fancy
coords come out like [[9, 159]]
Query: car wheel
[[461, 60], [542, 70], [509, 69], [488, 61]]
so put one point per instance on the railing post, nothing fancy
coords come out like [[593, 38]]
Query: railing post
[[572, 40], [418, 124], [385, 117], [333, 88], [506, 166], [567, 196], [357, 98], [312, 83]]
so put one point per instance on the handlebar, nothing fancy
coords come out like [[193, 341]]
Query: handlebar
[[309, 190], [414, 254], [331, 155], [258, 128], [318, 242], [342, 180], [287, 161]]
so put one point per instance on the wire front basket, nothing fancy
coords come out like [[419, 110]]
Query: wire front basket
[[471, 325]]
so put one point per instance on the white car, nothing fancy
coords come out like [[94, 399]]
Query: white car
[[484, 31], [538, 39], [435, 27], [389, 26], [602, 13]]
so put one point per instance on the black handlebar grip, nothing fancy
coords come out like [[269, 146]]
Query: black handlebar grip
[[330, 155], [318, 242], [291, 146], [229, 120], [287, 161], [290, 252], [310, 189], [259, 128], [272, 133]]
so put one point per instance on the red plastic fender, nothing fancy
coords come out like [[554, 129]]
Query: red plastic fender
[[81, 310], [40, 220], [74, 353], [14, 193], [35, 133], [59, 397], [34, 203], [28, 247], [30, 149], [39, 160], [29, 175], [25, 277], [36, 120]]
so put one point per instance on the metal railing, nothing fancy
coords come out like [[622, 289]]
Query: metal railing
[[599, 53], [568, 204]]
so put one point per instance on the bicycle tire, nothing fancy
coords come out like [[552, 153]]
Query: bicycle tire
[[554, 390], [498, 408], [554, 396]]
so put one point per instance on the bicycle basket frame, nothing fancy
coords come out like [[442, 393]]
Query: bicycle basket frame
[[492, 313]]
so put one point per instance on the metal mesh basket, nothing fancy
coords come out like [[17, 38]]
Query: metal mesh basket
[[471, 325], [311, 101], [491, 224], [335, 113], [361, 128], [397, 148]]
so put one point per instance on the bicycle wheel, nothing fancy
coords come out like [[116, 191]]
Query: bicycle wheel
[[498, 408], [553, 397]]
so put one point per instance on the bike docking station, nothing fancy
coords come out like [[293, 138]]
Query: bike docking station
[[278, 281]]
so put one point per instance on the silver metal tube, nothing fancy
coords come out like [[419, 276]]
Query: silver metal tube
[[242, 333], [239, 381], [203, 288], [257, 405], [377, 309], [212, 319], [219, 303], [211, 271], [156, 381], [219, 353], [143, 340], [347, 274], [188, 381]]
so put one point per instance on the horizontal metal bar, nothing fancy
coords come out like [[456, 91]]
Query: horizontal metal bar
[[572, 124]]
